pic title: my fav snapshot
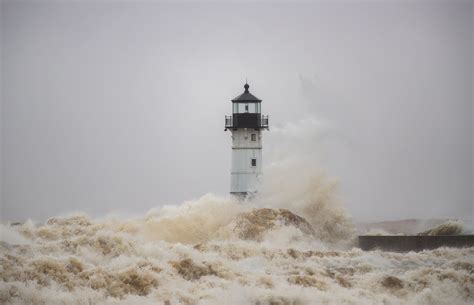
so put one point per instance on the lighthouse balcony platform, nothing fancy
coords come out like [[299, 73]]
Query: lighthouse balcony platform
[[246, 120]]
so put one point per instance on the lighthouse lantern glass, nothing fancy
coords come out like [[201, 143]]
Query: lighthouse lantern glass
[[246, 107]]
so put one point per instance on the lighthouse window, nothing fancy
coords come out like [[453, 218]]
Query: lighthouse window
[[254, 162], [253, 137], [252, 108]]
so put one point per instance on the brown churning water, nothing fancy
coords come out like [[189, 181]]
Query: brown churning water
[[295, 248]]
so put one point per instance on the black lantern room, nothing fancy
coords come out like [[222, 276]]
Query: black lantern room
[[246, 112]]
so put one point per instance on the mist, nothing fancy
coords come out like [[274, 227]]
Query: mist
[[119, 107]]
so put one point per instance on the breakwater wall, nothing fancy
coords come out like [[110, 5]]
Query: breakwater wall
[[401, 243]]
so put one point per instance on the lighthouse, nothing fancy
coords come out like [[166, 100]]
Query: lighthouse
[[246, 124]]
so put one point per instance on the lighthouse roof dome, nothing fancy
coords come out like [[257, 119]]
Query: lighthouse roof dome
[[246, 97]]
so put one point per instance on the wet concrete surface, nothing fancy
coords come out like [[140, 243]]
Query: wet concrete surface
[[404, 243]]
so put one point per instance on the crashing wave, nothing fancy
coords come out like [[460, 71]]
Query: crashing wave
[[451, 227], [254, 225], [82, 260]]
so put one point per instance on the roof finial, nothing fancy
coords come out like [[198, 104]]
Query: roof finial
[[246, 86]]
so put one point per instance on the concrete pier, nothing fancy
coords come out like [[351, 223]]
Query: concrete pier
[[401, 243]]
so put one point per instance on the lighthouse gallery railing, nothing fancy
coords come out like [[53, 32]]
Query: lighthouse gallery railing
[[261, 122]]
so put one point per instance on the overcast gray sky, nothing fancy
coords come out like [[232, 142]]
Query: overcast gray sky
[[118, 107]]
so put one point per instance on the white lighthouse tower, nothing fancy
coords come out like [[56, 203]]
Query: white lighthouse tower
[[246, 124]]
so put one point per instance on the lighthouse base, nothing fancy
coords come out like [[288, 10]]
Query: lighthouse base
[[239, 195], [242, 196]]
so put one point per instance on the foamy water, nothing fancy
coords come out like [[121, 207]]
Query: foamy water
[[217, 251]]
